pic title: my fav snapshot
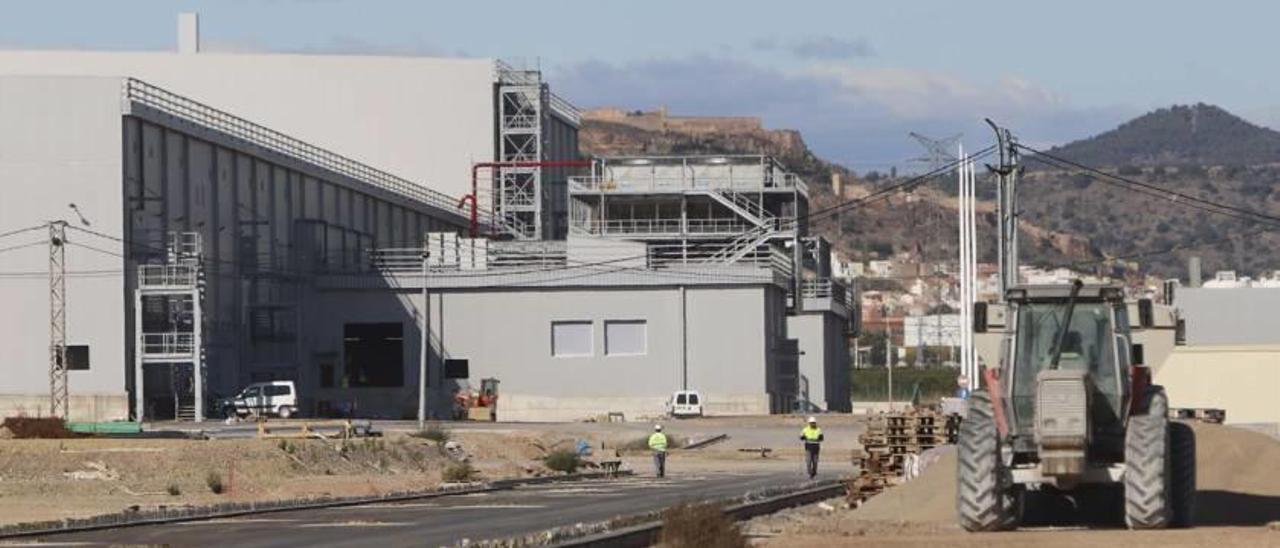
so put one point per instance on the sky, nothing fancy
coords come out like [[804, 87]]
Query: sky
[[855, 77]]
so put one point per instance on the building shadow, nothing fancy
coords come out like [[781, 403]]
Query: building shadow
[[1228, 508]]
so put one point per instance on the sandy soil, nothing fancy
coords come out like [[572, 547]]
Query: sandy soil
[[1238, 505], [54, 479]]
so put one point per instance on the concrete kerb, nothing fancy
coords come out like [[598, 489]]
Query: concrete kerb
[[646, 527], [165, 515]]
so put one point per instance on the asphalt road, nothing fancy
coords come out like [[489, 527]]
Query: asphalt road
[[445, 521]]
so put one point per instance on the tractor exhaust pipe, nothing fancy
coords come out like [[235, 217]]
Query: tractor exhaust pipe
[[1076, 285]]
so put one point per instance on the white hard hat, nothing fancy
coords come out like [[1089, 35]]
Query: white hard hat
[[813, 419], [657, 427]]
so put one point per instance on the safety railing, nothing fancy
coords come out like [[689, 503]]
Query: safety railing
[[166, 276], [496, 255], [827, 288], [623, 227], [176, 105], [678, 173], [168, 344], [565, 109], [698, 256]]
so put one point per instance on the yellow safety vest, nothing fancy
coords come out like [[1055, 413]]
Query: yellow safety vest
[[811, 433], [658, 441]]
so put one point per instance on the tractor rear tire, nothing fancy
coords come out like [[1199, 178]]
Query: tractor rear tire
[[1182, 442], [1147, 462], [985, 499]]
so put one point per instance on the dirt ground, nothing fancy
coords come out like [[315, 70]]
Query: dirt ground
[[1238, 505], [54, 479]]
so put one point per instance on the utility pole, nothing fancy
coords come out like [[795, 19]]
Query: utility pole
[[1006, 206], [58, 399], [425, 351], [888, 357]]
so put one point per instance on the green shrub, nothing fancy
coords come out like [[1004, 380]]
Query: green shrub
[[173, 490], [459, 472], [563, 460], [214, 480], [699, 526]]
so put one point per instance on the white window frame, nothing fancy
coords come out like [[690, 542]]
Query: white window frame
[[591, 336], [644, 338]]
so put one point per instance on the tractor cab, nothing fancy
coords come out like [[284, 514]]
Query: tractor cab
[[1068, 335]]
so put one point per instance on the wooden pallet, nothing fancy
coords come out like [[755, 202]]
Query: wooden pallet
[[1210, 415]]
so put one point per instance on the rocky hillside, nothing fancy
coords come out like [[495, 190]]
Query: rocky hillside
[[923, 223], [1199, 150]]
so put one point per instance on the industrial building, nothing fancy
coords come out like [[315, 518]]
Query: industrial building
[[214, 233], [668, 281], [1231, 356], [132, 166], [426, 119]]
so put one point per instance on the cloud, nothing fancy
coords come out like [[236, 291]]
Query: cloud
[[859, 116], [826, 48]]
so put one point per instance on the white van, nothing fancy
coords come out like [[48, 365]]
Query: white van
[[279, 398], [685, 403]]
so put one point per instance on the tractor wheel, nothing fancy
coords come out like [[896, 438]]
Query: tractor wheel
[[1182, 443], [984, 499], [1147, 501]]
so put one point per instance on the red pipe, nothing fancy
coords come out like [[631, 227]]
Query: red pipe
[[497, 167]]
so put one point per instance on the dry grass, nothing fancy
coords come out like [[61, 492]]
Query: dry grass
[[459, 472], [699, 526]]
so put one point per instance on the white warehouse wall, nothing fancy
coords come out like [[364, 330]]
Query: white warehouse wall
[[506, 334], [61, 143], [424, 119], [824, 359]]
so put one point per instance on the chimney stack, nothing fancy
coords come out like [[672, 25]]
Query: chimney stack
[[1193, 272], [188, 33]]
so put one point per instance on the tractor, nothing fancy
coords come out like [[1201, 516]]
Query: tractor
[[1071, 414]]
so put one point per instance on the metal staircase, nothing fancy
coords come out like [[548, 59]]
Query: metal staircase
[[744, 244], [743, 205]]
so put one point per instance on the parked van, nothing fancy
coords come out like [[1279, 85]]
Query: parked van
[[685, 403], [278, 398]]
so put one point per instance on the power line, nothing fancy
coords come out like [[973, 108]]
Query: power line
[[24, 246], [896, 187], [1173, 196], [22, 230]]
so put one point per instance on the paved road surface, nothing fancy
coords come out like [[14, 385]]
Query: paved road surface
[[446, 520]]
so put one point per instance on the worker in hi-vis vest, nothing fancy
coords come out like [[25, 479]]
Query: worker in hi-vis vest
[[658, 444], [812, 438]]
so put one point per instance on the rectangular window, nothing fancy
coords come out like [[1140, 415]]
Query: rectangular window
[[457, 369], [571, 339], [374, 354], [78, 357], [626, 337]]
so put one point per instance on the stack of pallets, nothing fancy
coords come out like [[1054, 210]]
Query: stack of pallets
[[890, 437]]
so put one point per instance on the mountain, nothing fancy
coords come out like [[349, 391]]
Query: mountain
[[1198, 150], [1181, 135]]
